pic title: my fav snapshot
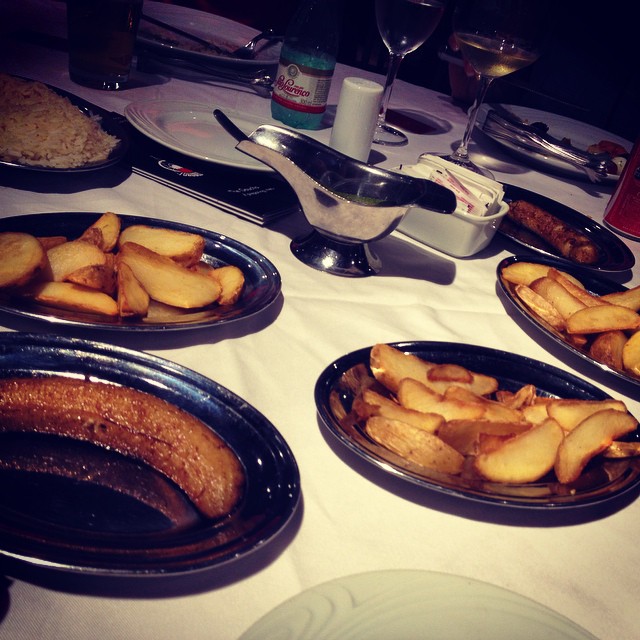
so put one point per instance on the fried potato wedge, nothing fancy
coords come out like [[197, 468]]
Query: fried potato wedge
[[570, 413], [629, 298], [417, 396], [415, 445], [495, 411], [607, 348], [592, 436], [97, 276], [71, 256], [181, 246], [540, 306], [577, 291], [603, 318], [565, 303], [631, 354], [526, 272], [371, 403], [22, 258], [73, 297], [231, 281], [464, 435], [390, 365], [526, 457], [133, 300], [167, 281], [104, 232]]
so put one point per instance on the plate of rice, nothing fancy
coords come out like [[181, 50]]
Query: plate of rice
[[44, 128]]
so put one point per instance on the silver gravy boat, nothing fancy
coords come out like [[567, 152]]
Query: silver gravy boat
[[348, 203]]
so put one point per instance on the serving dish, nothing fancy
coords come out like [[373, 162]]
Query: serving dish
[[341, 381], [398, 603], [615, 255], [110, 522], [581, 134], [190, 128], [593, 283], [111, 122], [218, 30], [262, 279]]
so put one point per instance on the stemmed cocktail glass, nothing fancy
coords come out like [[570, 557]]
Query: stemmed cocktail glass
[[497, 37], [404, 25]]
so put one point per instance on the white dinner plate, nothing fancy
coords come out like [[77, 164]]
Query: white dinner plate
[[220, 31], [410, 604], [582, 135], [190, 128]]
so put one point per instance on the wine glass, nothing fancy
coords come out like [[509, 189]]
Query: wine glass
[[404, 25], [496, 37]]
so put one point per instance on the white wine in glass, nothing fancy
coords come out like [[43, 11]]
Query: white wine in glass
[[496, 37], [404, 25]]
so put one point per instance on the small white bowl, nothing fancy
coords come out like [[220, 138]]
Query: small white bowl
[[458, 234]]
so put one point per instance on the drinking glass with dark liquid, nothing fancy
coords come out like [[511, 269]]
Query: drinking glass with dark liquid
[[102, 36]]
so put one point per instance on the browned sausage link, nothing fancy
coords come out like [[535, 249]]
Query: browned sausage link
[[570, 243]]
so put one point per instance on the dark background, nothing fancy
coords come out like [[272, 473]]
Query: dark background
[[587, 71]]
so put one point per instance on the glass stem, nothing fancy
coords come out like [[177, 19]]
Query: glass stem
[[462, 153], [392, 72]]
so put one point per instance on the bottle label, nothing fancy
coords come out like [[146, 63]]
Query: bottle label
[[302, 88]]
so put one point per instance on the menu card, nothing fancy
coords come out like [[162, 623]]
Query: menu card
[[258, 196]]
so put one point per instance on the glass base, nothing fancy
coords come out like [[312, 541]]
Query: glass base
[[95, 81], [386, 134]]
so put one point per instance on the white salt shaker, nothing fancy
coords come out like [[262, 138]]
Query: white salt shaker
[[356, 117]]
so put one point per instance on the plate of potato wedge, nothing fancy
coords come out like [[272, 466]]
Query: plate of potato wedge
[[595, 318], [129, 273], [481, 424], [114, 462]]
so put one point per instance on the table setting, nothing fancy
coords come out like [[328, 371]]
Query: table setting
[[317, 275]]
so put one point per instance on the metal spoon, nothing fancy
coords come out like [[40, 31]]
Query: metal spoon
[[248, 51]]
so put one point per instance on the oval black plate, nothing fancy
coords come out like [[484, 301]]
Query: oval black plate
[[113, 123], [615, 255], [125, 519], [603, 480], [262, 280], [594, 284]]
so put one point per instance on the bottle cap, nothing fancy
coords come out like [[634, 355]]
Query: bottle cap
[[356, 117]]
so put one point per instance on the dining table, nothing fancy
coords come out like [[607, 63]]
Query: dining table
[[352, 517]]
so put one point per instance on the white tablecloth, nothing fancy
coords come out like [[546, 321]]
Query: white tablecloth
[[352, 519]]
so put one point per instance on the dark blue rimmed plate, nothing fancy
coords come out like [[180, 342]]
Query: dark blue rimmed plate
[[602, 481], [614, 255], [262, 279], [112, 123], [75, 507], [593, 283]]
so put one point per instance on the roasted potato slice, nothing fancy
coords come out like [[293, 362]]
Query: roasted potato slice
[[371, 403], [133, 300], [564, 302], [629, 298], [74, 297], [183, 247], [592, 436], [526, 272], [167, 281], [71, 256], [464, 435], [603, 318], [631, 354], [415, 445], [22, 258], [541, 307], [229, 277], [526, 457], [570, 413], [104, 232], [607, 348], [577, 291]]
